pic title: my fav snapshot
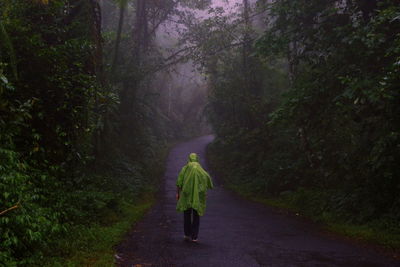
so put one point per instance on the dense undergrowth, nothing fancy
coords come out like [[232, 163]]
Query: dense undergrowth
[[75, 225], [95, 245], [111, 214]]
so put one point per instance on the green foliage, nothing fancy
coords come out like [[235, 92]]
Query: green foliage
[[335, 129], [343, 98], [62, 166], [26, 229]]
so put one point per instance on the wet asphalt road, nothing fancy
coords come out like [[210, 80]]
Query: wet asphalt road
[[233, 232]]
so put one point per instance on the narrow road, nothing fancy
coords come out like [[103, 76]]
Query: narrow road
[[233, 232]]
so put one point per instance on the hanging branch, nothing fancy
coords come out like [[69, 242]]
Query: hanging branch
[[16, 206]]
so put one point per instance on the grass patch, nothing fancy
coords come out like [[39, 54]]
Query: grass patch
[[389, 238], [94, 245]]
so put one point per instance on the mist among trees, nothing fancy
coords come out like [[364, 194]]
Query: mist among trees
[[302, 96]]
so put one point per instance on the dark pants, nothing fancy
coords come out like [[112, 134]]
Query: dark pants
[[191, 223]]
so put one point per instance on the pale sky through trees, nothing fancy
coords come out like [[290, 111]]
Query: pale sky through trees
[[228, 4]]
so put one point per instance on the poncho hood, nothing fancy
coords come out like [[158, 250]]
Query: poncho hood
[[193, 181], [193, 157]]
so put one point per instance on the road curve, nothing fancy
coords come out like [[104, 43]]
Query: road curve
[[233, 232]]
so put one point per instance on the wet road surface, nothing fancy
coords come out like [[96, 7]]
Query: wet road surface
[[233, 232]]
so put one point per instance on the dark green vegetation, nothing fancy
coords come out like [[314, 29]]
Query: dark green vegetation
[[304, 100], [307, 112], [82, 133]]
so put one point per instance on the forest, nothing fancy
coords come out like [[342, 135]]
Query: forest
[[302, 97]]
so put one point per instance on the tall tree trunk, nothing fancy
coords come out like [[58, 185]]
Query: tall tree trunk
[[246, 28], [246, 44], [292, 60], [97, 39], [137, 30], [97, 59], [141, 30], [119, 32], [140, 38]]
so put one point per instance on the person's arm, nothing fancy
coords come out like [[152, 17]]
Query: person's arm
[[179, 182], [210, 183], [178, 192]]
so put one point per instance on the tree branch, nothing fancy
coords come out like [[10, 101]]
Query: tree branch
[[10, 209]]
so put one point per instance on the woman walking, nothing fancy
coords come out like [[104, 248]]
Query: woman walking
[[192, 185]]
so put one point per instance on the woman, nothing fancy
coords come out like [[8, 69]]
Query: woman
[[192, 185]]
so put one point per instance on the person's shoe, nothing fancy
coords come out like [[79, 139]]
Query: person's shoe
[[186, 238], [195, 240]]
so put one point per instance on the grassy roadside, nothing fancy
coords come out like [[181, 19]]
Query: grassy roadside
[[378, 232], [94, 245], [383, 234]]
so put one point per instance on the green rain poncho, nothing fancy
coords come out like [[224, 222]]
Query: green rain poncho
[[193, 182]]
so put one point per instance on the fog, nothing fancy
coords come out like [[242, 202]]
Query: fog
[[185, 85], [176, 84]]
